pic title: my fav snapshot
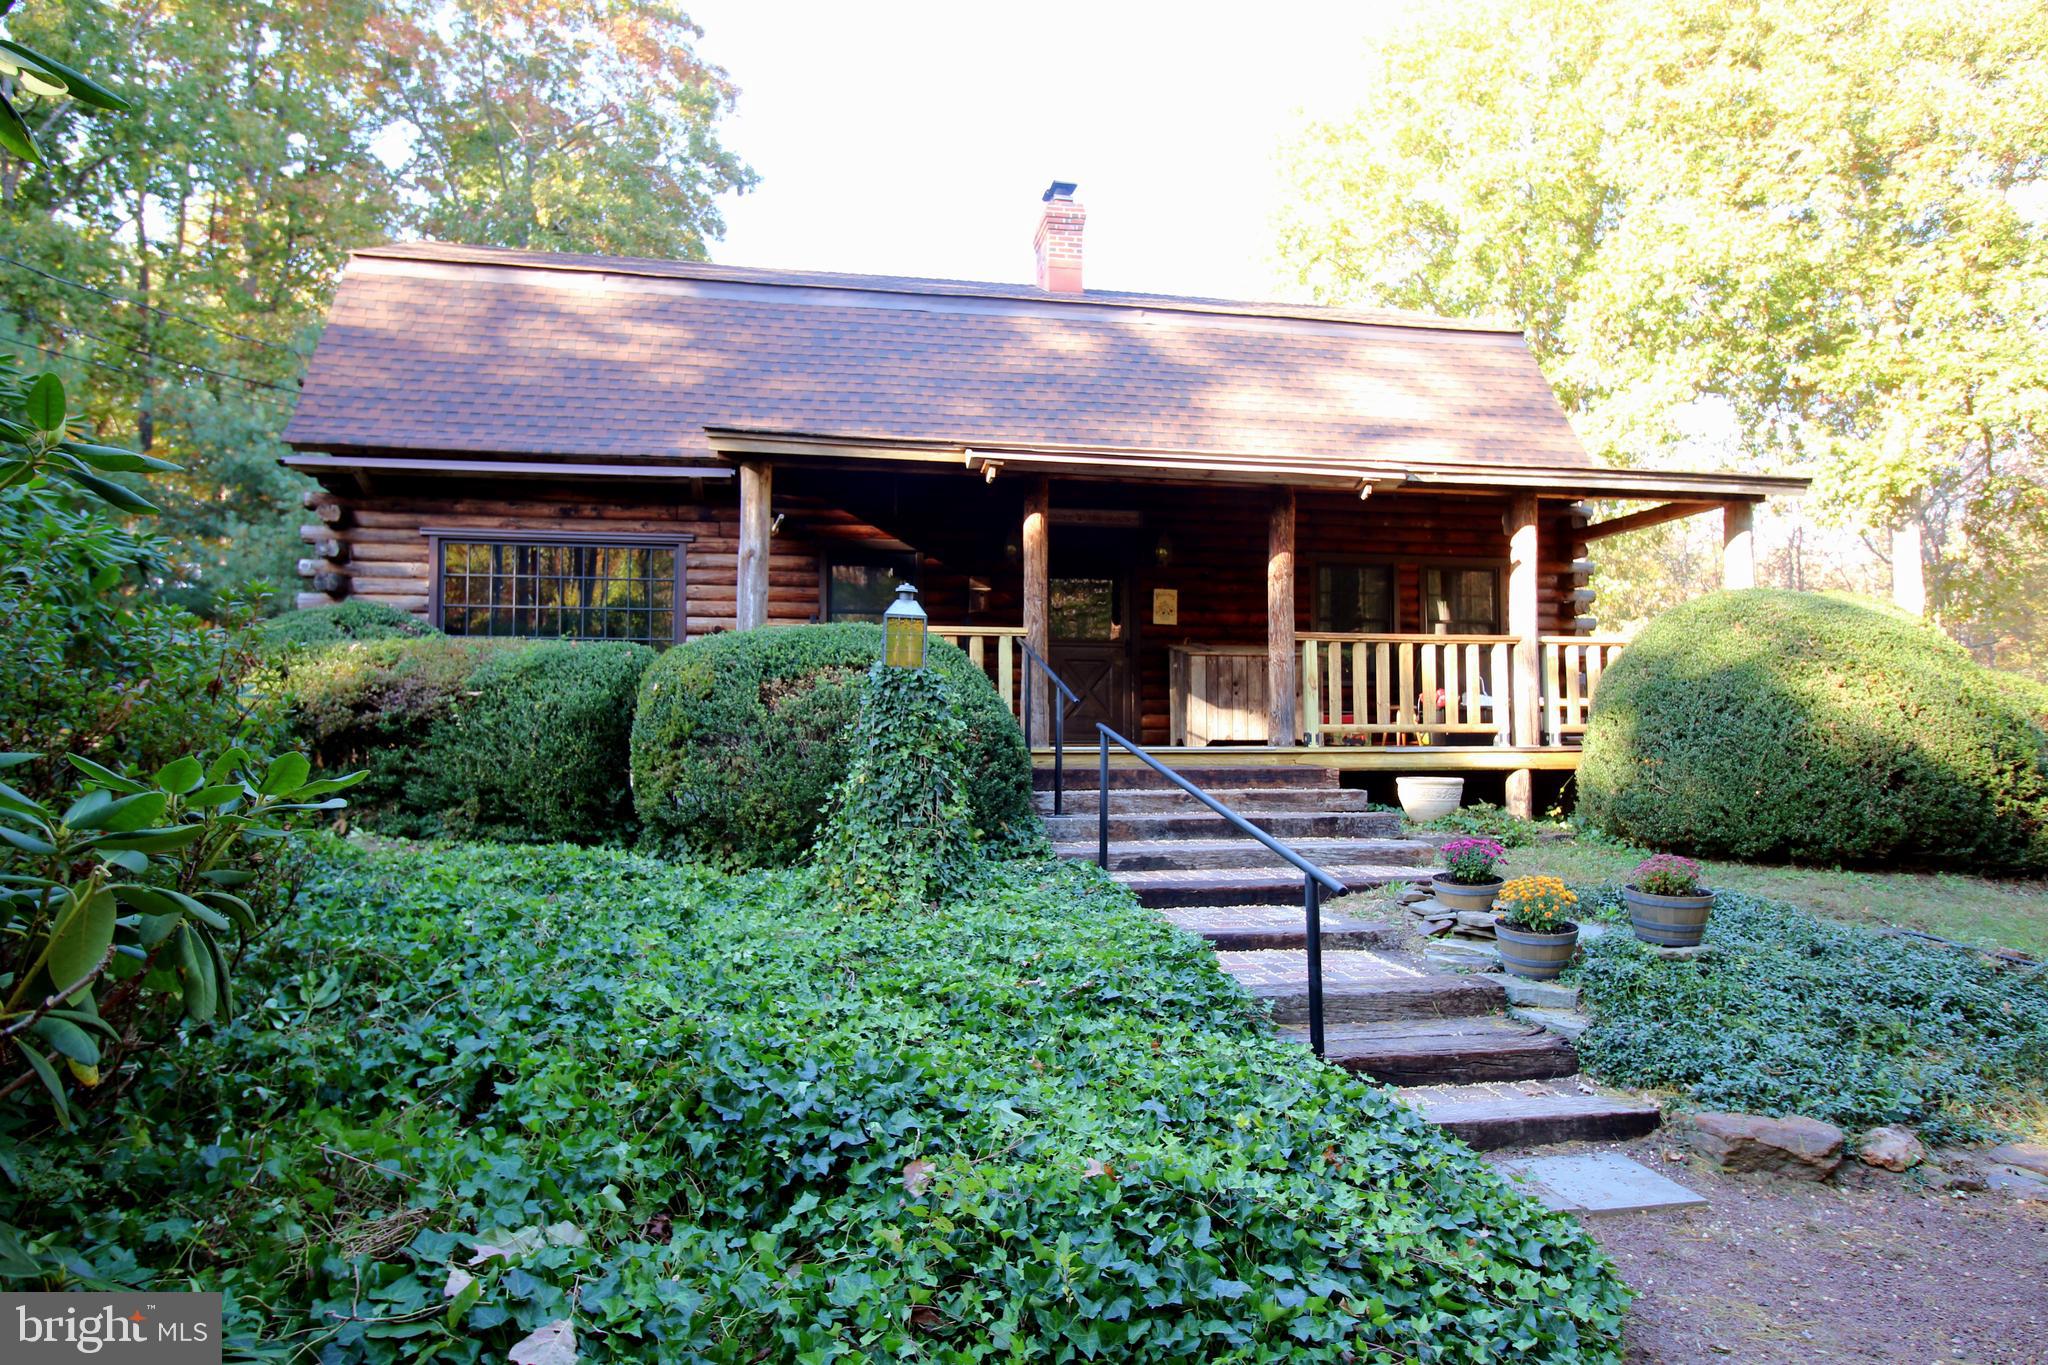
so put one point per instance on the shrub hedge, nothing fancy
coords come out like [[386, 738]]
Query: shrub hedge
[[1793, 1014], [699, 1121], [341, 622], [1766, 724], [515, 740], [740, 739]]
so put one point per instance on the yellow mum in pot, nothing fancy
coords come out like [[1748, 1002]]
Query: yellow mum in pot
[[1536, 905]]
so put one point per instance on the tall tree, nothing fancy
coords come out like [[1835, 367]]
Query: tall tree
[[563, 125], [176, 267], [1820, 224]]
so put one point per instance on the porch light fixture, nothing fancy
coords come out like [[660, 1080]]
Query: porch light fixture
[[903, 628]]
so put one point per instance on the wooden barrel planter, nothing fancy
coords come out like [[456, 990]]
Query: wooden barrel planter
[[1463, 895], [1668, 921], [1536, 957]]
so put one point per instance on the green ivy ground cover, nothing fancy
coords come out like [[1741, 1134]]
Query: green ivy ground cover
[[1796, 1014], [700, 1120]]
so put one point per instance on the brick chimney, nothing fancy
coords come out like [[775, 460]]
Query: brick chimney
[[1058, 243]]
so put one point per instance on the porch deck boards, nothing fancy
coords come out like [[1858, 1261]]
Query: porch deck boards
[[1415, 759]]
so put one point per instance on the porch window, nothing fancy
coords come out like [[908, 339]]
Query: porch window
[[862, 589], [1354, 599], [1461, 601], [544, 587]]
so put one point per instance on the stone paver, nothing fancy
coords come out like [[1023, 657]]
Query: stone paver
[[1289, 967], [1542, 995], [1598, 1183], [1567, 1024], [1200, 917], [1352, 874]]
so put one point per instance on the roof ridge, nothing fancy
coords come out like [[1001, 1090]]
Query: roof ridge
[[457, 253]]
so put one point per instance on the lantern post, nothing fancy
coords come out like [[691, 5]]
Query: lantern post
[[903, 630]]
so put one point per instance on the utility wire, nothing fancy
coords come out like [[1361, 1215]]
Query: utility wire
[[156, 358], [83, 359], [161, 312]]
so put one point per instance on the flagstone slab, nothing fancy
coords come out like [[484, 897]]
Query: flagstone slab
[[1597, 1183]]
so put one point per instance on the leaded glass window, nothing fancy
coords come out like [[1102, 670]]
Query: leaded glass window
[[567, 589]]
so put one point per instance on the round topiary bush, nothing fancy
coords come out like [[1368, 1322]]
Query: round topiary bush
[[537, 747], [518, 740], [340, 622], [1764, 724], [741, 737]]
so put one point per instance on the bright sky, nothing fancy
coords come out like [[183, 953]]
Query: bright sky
[[912, 137]]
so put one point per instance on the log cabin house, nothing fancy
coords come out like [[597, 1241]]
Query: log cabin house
[[1357, 539]]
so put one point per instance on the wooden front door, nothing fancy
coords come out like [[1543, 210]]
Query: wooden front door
[[1091, 649]]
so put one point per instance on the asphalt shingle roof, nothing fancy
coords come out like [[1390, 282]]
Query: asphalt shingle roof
[[435, 348]]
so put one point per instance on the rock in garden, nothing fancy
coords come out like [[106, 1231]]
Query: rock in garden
[[1796, 1148], [1414, 897], [1961, 1177], [1476, 919], [2031, 1157], [1895, 1149]]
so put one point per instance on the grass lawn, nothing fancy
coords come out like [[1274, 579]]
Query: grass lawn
[[1977, 910]]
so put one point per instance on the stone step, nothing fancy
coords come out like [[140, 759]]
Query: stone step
[[1081, 772], [1204, 824], [1447, 1051], [1530, 1113], [1244, 928], [1172, 800], [1359, 986], [1271, 883], [1144, 855]]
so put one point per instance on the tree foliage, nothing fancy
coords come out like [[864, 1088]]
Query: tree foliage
[[175, 262], [563, 125], [1818, 228]]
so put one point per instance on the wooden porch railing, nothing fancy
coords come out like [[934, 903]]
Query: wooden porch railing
[[1387, 689], [1403, 688], [1570, 667], [995, 651]]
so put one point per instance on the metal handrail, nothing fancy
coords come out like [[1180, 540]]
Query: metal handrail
[[1059, 721], [1313, 878]]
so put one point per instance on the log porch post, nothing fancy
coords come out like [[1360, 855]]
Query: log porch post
[[1524, 622], [750, 607], [1738, 545], [1037, 549], [1282, 715]]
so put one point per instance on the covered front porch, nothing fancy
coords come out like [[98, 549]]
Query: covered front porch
[[1225, 613]]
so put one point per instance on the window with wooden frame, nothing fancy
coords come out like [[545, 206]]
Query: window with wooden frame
[[1461, 599], [860, 586], [557, 585], [1354, 599]]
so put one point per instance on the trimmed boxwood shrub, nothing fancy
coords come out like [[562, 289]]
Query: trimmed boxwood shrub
[[537, 748], [505, 739], [740, 739], [1766, 724], [341, 622]]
